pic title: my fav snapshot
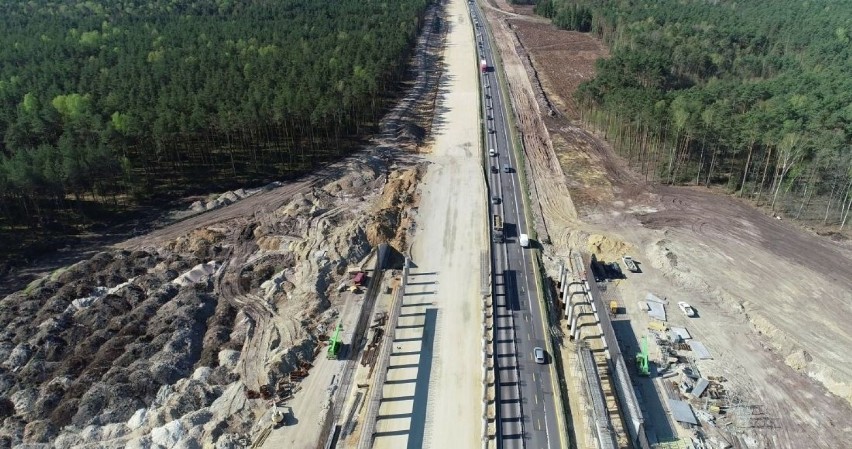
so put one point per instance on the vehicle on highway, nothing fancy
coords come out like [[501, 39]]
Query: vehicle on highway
[[497, 237], [492, 152], [506, 168], [494, 169], [495, 200], [538, 354], [498, 222], [524, 240], [491, 131], [686, 309]]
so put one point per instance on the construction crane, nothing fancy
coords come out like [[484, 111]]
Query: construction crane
[[334, 347], [642, 359]]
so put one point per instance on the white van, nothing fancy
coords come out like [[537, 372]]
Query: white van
[[524, 240]]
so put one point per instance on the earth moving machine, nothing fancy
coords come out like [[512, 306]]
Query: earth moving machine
[[642, 359], [334, 347]]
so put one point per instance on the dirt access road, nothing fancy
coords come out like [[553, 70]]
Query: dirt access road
[[774, 301], [432, 397]]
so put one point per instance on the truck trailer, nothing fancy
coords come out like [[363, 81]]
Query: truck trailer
[[498, 222]]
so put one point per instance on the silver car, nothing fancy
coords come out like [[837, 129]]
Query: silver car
[[538, 354]]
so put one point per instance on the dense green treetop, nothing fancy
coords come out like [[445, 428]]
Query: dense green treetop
[[748, 81], [97, 95]]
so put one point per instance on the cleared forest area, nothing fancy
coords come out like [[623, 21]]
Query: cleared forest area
[[755, 97]]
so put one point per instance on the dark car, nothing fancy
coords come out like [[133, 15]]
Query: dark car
[[494, 169]]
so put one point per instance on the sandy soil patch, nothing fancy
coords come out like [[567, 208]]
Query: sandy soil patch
[[447, 249]]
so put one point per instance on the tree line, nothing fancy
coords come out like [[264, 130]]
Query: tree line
[[113, 101], [754, 96]]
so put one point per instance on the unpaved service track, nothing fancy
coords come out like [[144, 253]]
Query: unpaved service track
[[261, 203]]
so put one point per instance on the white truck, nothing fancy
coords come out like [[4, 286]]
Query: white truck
[[686, 309], [524, 240], [630, 264]]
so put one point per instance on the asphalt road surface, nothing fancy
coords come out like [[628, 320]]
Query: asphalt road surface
[[526, 400]]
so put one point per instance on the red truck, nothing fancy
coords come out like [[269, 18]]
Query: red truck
[[359, 278], [483, 65]]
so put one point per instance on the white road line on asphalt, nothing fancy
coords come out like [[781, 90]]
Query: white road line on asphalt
[[517, 212], [518, 218]]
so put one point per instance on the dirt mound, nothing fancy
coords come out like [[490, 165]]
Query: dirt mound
[[199, 242], [97, 362], [608, 248], [391, 221], [412, 133]]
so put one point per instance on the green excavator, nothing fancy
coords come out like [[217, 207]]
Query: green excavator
[[642, 359], [334, 347]]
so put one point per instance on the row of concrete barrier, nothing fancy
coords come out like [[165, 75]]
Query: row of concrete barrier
[[368, 425]]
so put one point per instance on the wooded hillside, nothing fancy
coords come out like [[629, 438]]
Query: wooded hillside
[[108, 101], [755, 96]]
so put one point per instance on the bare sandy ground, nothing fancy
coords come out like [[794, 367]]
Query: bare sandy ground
[[447, 252], [773, 305], [307, 410]]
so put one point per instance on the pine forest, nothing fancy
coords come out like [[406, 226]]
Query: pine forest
[[108, 102], [753, 96]]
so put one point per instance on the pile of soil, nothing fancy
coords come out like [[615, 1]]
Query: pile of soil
[[160, 345], [65, 365]]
